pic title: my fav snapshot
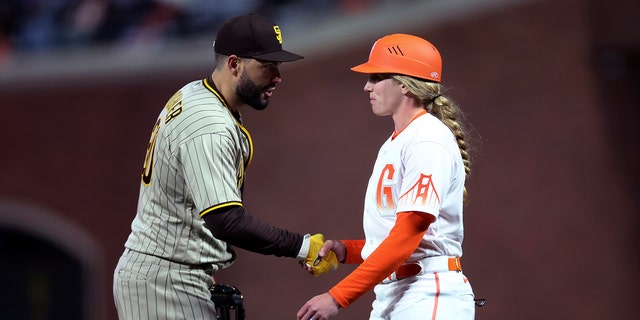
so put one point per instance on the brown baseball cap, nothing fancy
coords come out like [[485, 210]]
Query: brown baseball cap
[[252, 36]]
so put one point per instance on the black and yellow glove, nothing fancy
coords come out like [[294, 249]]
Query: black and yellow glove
[[314, 263]]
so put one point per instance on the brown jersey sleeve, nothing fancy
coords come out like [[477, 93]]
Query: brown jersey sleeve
[[240, 229]]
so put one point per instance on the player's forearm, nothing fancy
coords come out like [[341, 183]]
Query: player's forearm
[[403, 239], [240, 229]]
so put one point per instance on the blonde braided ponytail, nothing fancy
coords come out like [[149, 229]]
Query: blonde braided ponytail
[[442, 108]]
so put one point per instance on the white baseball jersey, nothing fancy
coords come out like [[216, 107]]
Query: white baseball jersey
[[420, 169], [195, 163]]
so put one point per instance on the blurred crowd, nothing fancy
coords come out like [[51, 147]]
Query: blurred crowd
[[44, 25]]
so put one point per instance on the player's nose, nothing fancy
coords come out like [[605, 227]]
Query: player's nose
[[275, 75], [368, 86]]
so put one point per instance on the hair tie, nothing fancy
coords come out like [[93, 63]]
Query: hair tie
[[432, 100]]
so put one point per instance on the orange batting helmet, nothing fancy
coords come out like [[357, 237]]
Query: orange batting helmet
[[403, 54]]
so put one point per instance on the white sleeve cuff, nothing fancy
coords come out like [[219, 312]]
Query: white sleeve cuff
[[304, 249]]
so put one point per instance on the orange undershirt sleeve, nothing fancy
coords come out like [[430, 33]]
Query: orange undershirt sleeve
[[403, 239], [354, 249]]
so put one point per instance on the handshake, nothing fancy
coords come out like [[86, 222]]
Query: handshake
[[314, 263]]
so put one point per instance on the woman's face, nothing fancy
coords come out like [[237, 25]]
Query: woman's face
[[384, 94]]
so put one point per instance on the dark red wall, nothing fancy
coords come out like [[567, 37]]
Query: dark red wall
[[550, 225]]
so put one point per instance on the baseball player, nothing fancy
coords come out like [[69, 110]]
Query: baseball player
[[413, 203], [190, 213]]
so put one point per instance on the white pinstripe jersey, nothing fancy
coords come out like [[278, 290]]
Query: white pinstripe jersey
[[195, 163], [420, 169]]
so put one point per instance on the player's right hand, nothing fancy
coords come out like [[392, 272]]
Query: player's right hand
[[316, 264]]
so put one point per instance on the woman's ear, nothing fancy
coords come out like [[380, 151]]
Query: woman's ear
[[404, 89]]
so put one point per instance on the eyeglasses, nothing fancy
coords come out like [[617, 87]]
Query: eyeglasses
[[377, 77]]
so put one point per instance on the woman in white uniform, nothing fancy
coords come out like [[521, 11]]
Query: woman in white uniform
[[413, 204]]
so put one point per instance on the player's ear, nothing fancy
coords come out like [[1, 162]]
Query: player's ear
[[404, 89], [232, 63]]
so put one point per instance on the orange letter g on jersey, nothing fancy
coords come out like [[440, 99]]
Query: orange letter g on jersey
[[384, 192]]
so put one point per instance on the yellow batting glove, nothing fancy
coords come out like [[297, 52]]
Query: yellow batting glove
[[315, 264]]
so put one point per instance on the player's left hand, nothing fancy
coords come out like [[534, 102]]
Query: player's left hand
[[315, 263], [321, 307]]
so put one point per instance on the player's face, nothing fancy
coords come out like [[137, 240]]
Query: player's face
[[257, 81], [384, 94]]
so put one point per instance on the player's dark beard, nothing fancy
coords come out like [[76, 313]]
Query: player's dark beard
[[249, 93]]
